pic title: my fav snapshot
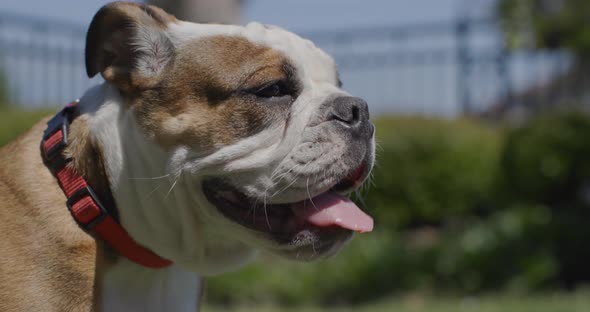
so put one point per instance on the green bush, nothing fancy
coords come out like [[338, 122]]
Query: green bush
[[547, 160], [546, 164], [430, 170]]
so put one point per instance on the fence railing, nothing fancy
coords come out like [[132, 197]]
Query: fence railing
[[445, 68], [41, 61]]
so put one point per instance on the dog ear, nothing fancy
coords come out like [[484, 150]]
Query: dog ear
[[127, 43]]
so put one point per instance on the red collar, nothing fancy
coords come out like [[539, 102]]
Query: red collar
[[82, 202]]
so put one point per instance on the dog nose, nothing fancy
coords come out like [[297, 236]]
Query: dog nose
[[350, 111]]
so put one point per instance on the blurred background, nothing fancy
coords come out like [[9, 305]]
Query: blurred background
[[481, 194]]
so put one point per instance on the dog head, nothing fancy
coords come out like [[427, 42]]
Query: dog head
[[254, 139]]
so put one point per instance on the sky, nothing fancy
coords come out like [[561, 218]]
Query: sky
[[297, 15]]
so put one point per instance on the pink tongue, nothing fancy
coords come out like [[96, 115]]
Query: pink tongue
[[332, 209]]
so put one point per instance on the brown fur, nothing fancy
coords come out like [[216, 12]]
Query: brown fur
[[48, 262], [197, 104], [109, 46]]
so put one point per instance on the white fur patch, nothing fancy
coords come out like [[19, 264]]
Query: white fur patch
[[129, 287]]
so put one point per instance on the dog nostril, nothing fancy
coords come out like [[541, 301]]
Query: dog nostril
[[355, 114], [341, 118], [347, 110]]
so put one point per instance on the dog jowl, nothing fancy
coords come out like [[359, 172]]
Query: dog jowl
[[212, 142]]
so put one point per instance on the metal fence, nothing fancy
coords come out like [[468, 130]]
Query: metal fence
[[444, 69], [41, 61]]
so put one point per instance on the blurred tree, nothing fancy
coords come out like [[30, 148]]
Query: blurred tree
[[202, 11], [551, 25]]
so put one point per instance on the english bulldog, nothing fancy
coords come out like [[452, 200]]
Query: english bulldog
[[205, 144]]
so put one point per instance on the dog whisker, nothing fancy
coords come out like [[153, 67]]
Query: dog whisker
[[371, 180], [290, 184], [274, 172], [360, 198], [284, 188], [282, 175], [378, 146], [171, 188], [150, 178], [309, 194], [253, 210], [266, 213], [155, 189]]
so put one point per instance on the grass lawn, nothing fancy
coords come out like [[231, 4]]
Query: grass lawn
[[14, 122], [557, 302]]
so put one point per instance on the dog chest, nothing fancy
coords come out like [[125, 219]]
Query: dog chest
[[129, 287]]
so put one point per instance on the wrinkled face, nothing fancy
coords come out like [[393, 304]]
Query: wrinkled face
[[252, 118]]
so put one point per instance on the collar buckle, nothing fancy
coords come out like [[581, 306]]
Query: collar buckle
[[86, 208], [55, 137]]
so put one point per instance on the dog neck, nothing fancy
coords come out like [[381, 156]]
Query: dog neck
[[158, 206], [127, 172]]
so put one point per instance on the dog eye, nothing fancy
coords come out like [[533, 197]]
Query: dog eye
[[275, 89]]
